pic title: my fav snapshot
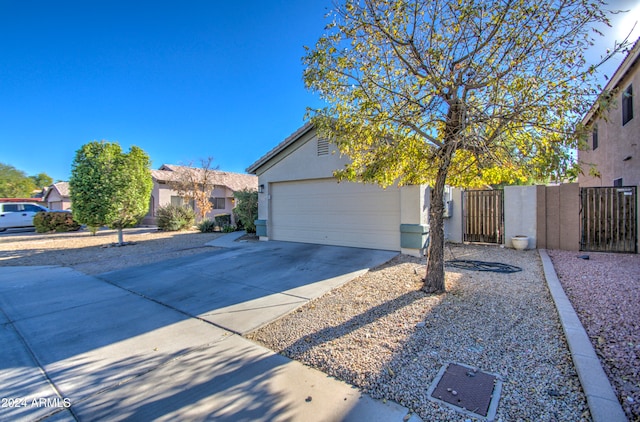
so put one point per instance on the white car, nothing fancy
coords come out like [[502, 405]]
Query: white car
[[15, 215]]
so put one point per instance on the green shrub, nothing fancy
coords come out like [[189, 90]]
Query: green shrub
[[228, 228], [207, 226], [52, 221], [247, 209], [174, 218], [222, 220], [236, 217]]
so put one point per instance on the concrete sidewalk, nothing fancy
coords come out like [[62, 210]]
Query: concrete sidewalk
[[159, 342]]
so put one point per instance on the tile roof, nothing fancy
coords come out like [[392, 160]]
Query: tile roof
[[234, 181], [61, 187]]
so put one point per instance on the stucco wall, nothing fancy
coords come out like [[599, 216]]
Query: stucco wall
[[57, 202], [161, 195], [453, 224], [520, 213], [299, 161]]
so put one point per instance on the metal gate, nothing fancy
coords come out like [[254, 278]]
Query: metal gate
[[608, 219], [483, 216]]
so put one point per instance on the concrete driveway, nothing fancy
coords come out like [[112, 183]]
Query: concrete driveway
[[162, 341]]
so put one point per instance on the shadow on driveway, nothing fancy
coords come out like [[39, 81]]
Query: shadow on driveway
[[157, 341]]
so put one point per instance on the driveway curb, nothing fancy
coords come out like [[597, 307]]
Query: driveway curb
[[602, 400]]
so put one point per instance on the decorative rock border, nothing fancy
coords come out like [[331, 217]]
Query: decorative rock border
[[602, 400]]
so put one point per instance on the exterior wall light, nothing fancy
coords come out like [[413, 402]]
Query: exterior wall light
[[261, 189]]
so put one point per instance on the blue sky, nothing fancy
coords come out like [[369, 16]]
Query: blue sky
[[182, 80]]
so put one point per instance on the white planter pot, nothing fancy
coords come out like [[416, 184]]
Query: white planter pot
[[520, 242]]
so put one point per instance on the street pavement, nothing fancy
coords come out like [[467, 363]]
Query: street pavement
[[164, 341]]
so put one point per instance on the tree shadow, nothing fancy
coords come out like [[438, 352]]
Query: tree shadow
[[197, 384], [501, 323]]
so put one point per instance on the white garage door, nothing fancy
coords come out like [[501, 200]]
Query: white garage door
[[330, 213]]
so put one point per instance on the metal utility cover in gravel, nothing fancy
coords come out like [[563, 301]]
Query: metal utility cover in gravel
[[466, 389]]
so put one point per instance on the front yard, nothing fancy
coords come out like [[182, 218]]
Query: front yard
[[95, 254]]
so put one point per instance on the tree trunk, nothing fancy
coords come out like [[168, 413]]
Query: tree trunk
[[434, 279], [120, 237]]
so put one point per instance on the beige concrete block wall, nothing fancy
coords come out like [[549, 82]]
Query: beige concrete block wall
[[558, 217], [570, 217]]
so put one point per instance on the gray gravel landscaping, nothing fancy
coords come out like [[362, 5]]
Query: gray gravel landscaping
[[605, 292], [381, 333]]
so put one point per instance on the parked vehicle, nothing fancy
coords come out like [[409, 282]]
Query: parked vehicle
[[15, 215]]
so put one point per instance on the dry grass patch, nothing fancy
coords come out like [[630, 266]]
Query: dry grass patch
[[95, 254]]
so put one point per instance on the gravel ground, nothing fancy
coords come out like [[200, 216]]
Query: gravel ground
[[381, 333], [95, 254], [605, 292]]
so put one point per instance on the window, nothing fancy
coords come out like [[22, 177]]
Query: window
[[32, 208], [218, 203], [627, 105], [594, 137], [178, 201], [11, 208], [617, 182]]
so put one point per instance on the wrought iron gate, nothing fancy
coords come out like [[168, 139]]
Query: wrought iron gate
[[608, 219], [483, 216]]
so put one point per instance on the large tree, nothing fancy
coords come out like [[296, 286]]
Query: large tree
[[465, 92], [42, 180], [110, 187], [14, 183]]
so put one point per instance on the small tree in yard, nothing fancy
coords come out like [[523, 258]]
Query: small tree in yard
[[247, 208], [465, 92], [196, 184], [109, 187]]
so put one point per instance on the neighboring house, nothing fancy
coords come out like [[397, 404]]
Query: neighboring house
[[614, 143], [58, 197], [299, 200], [222, 196]]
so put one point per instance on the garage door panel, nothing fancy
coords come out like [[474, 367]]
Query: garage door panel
[[327, 212]]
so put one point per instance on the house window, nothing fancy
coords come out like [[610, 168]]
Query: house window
[[627, 105], [178, 201], [218, 203], [617, 182], [594, 137], [323, 147]]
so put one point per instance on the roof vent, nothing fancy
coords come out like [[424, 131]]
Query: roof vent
[[323, 147]]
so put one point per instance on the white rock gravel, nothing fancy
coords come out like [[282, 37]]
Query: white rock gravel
[[605, 292], [381, 333]]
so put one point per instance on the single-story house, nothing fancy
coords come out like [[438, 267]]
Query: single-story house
[[57, 196], [221, 197], [300, 200]]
